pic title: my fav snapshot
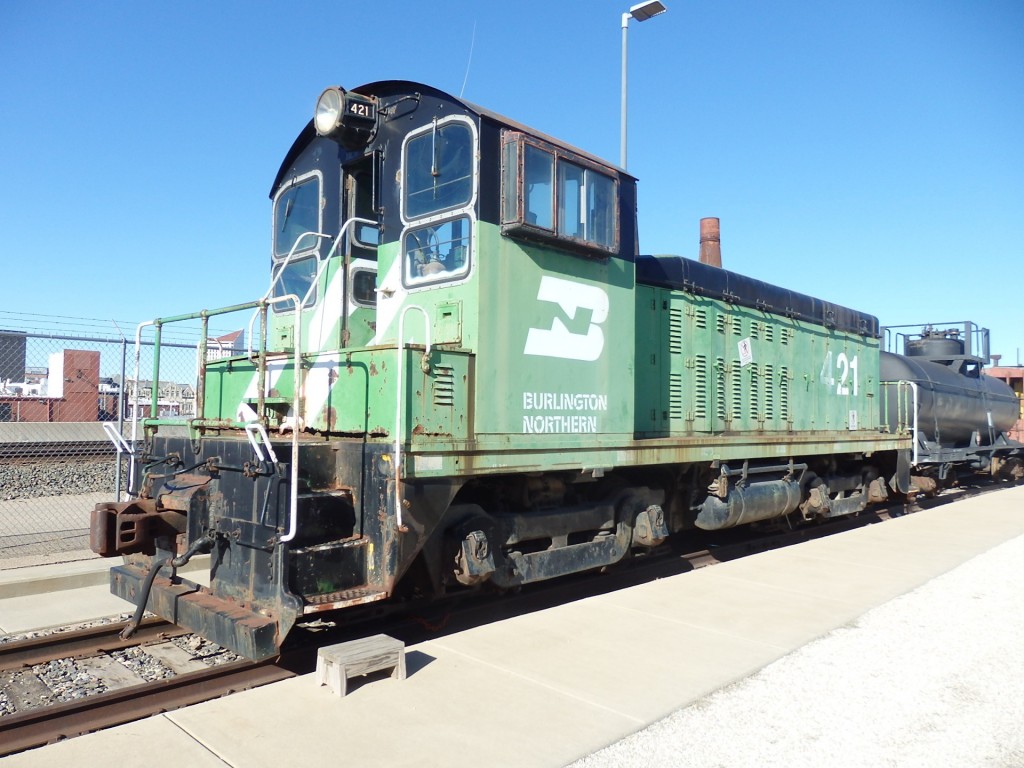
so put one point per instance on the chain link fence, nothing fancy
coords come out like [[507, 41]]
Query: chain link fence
[[68, 387]]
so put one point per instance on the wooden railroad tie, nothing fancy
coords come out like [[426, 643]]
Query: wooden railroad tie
[[335, 664]]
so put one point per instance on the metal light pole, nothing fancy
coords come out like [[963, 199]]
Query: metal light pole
[[640, 12]]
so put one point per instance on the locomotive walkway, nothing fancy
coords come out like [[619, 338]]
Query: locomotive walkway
[[548, 688]]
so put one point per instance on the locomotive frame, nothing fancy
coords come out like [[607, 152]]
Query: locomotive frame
[[465, 375]]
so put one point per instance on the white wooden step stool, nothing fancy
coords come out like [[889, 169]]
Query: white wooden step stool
[[335, 664]]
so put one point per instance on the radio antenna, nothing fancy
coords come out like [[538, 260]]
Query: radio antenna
[[472, 43]]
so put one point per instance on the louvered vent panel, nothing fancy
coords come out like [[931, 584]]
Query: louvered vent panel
[[700, 318], [444, 385], [784, 393], [675, 396], [755, 391], [736, 381], [769, 392], [675, 331], [720, 389], [700, 387]]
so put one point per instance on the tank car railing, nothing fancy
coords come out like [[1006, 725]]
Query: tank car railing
[[906, 408]]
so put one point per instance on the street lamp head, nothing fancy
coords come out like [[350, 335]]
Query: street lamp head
[[645, 11]]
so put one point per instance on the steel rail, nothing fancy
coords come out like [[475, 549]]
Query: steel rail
[[82, 643], [38, 727]]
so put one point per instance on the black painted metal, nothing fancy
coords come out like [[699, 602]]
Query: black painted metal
[[746, 504], [693, 277], [952, 407], [406, 106]]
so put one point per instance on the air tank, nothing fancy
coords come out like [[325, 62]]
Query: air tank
[[951, 406]]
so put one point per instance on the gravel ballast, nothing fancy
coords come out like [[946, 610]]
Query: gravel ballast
[[932, 678], [49, 477]]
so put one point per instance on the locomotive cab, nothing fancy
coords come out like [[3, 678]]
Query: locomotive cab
[[413, 237]]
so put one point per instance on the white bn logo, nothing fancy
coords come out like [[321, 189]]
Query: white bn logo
[[559, 341]]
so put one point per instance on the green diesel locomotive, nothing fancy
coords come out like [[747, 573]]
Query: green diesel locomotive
[[464, 375]]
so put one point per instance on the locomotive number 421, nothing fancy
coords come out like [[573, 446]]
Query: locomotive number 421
[[847, 368]]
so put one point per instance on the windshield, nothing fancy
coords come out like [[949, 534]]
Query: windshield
[[297, 210], [439, 170]]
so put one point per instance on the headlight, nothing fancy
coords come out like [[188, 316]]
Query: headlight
[[329, 111], [346, 117]]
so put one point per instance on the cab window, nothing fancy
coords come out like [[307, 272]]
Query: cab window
[[438, 252], [296, 279], [438, 169], [296, 219], [296, 211]]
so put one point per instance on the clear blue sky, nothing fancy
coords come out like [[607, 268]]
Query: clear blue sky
[[869, 153]]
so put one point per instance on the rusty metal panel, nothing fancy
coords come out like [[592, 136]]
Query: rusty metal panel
[[191, 606]]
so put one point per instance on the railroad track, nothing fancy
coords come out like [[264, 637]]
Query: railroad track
[[123, 696]]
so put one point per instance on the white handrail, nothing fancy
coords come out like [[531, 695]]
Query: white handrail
[[913, 387], [117, 439], [293, 501], [316, 278], [122, 447], [400, 384], [254, 428], [276, 277]]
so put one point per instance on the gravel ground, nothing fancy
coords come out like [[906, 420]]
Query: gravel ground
[[933, 678], [35, 479], [42, 511], [68, 681]]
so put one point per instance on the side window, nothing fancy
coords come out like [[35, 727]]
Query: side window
[[553, 195], [438, 252], [601, 209], [538, 187], [570, 191], [364, 285], [438, 170]]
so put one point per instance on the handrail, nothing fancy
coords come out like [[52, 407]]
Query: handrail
[[199, 421], [287, 259], [400, 384], [913, 388], [901, 406], [280, 271], [135, 399], [319, 271], [296, 400], [122, 447], [255, 426]]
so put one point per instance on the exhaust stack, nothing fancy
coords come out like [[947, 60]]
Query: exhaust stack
[[710, 242]]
